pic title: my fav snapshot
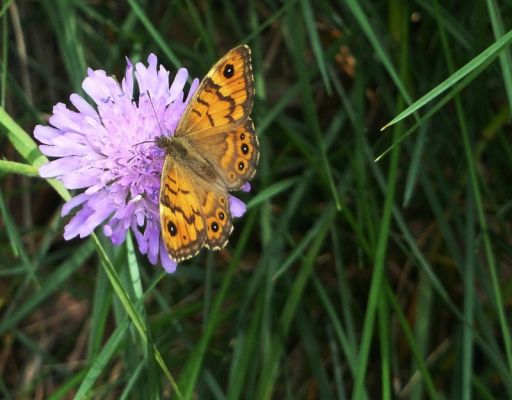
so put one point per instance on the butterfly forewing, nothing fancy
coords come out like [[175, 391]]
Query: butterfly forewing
[[181, 216], [224, 97]]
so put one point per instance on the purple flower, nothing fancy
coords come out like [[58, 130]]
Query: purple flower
[[109, 150]]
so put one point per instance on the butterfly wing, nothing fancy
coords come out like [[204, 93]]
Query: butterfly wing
[[233, 154], [193, 212], [216, 213], [214, 135], [224, 97], [182, 221], [217, 122]]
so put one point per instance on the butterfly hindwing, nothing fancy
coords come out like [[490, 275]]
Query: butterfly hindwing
[[233, 154], [215, 209]]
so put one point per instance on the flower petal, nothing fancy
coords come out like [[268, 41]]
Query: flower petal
[[192, 90], [74, 202], [79, 179], [94, 220], [73, 227], [180, 79], [167, 262], [83, 107], [236, 206], [46, 134], [97, 86], [127, 84], [59, 166]]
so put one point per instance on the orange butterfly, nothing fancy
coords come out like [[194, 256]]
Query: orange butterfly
[[214, 151]]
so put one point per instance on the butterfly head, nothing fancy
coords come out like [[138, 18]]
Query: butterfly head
[[163, 142]]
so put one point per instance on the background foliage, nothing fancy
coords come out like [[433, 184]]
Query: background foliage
[[348, 277]]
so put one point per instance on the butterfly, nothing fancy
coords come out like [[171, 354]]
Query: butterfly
[[213, 151]]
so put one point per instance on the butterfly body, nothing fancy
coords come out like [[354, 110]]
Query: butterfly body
[[180, 151], [214, 150]]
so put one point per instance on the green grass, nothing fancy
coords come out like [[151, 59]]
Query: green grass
[[370, 264]]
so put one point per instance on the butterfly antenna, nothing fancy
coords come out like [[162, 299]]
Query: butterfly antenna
[[154, 111], [145, 141]]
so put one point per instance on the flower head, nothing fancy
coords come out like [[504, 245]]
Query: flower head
[[109, 150]]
